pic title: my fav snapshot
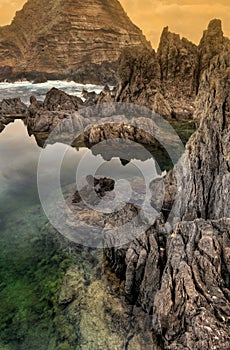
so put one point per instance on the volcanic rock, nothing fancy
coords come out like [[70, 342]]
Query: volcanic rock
[[12, 107], [168, 81], [62, 39], [179, 270]]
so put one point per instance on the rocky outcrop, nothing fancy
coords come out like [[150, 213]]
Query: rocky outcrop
[[67, 39], [180, 273], [203, 173], [212, 43], [95, 189], [168, 81], [192, 307], [10, 109], [57, 100]]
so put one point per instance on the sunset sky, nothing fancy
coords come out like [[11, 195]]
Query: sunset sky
[[187, 17]]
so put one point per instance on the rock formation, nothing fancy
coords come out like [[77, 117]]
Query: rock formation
[[181, 274], [168, 81], [95, 189], [10, 109], [73, 39]]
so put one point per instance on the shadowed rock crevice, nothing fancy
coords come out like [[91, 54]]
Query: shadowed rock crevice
[[181, 273]]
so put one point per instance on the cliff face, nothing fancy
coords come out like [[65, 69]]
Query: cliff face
[[67, 38], [181, 275], [176, 68], [206, 163]]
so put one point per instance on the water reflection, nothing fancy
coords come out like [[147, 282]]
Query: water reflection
[[33, 261]]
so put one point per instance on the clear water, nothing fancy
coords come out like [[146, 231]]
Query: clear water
[[32, 262]]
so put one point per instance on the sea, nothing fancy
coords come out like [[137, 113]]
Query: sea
[[25, 89]]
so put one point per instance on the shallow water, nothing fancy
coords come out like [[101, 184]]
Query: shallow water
[[33, 257], [32, 261]]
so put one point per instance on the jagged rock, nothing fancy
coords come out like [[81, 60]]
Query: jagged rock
[[94, 190], [2, 126], [57, 100], [90, 97], [187, 287], [178, 59], [203, 173], [139, 79], [168, 81], [12, 107], [35, 106], [67, 39], [212, 43], [192, 308]]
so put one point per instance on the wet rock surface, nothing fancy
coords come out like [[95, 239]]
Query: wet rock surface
[[11, 109], [93, 309]]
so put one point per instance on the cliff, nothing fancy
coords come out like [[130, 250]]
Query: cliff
[[181, 274], [176, 70], [67, 39]]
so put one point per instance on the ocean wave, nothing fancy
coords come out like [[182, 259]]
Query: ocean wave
[[24, 89]]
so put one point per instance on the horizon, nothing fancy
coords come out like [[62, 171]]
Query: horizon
[[188, 18]]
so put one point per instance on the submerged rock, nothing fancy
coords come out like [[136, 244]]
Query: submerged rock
[[95, 189]]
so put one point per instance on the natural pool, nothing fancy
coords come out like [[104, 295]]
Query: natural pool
[[55, 295], [34, 258]]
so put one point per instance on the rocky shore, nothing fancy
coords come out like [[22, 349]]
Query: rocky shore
[[180, 274], [175, 275]]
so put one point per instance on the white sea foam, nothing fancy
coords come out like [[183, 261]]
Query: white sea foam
[[24, 89]]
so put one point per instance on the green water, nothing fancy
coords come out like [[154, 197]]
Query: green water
[[32, 262], [34, 259]]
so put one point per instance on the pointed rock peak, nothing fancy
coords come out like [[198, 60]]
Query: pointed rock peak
[[165, 31], [166, 34], [168, 38], [212, 43], [214, 31], [215, 26]]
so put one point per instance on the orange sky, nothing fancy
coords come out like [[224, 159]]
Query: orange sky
[[187, 17]]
